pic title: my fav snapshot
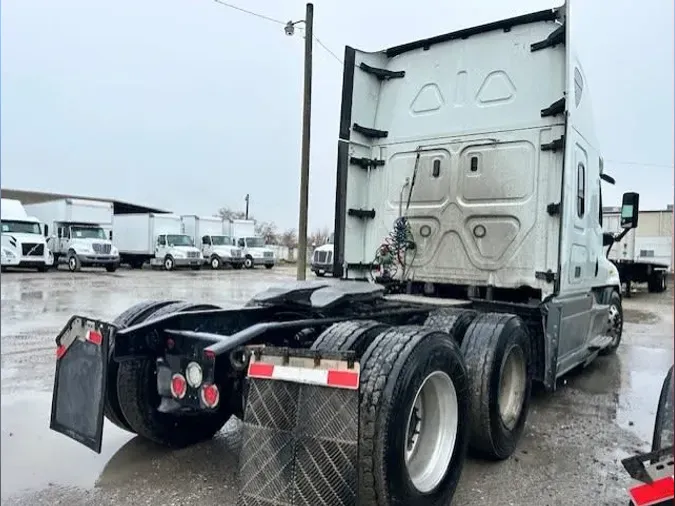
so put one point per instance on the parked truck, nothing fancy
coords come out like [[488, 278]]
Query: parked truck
[[76, 232], [468, 240], [634, 256], [23, 243], [322, 259], [209, 232], [156, 238], [253, 247]]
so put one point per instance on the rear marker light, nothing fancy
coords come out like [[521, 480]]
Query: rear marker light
[[60, 352], [652, 493], [178, 386], [94, 336], [209, 355], [210, 395]]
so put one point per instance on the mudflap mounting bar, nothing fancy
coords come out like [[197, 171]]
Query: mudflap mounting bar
[[300, 433]]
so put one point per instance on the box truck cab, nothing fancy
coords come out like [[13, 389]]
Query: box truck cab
[[75, 231], [209, 233], [23, 244], [254, 249], [156, 238]]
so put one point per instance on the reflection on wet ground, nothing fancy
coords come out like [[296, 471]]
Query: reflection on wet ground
[[569, 455]]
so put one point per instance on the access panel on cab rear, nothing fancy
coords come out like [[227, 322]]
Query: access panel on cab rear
[[474, 118]]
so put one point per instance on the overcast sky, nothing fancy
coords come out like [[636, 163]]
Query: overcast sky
[[189, 105]]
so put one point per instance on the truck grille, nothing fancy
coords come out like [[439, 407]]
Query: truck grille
[[193, 254], [101, 248], [323, 257], [268, 254], [32, 249]]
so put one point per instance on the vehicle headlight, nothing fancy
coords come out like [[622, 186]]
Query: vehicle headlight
[[8, 253]]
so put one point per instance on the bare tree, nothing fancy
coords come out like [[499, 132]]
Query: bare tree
[[289, 238], [225, 213], [318, 237], [268, 231]]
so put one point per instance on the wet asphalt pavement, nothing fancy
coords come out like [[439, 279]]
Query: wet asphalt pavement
[[570, 454]]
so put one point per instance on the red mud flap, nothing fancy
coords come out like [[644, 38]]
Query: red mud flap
[[80, 381], [300, 435], [658, 493], [653, 484]]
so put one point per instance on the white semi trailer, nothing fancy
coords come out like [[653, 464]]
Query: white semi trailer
[[156, 238], [23, 243], [638, 259], [209, 233], [76, 232], [254, 249]]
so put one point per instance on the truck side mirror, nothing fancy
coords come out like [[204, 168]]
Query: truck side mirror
[[630, 206], [46, 231], [607, 239]]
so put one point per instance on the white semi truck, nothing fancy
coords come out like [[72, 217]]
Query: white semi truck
[[209, 233], [469, 243], [23, 243], [253, 247], [156, 238], [322, 258], [76, 232]]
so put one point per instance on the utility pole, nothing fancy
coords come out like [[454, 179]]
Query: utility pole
[[247, 199], [306, 128]]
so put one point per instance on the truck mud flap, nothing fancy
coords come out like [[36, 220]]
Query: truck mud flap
[[80, 381], [300, 434]]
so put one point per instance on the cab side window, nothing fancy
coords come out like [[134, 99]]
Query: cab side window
[[241, 243], [161, 240], [206, 240], [581, 190]]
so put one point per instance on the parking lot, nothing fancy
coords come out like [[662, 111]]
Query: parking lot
[[571, 452]]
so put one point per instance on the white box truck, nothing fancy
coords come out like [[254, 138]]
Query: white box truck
[[638, 259], [23, 244], [209, 234], [253, 247], [156, 238], [76, 232]]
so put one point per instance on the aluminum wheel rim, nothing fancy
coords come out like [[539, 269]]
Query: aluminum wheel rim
[[431, 432], [214, 263], [512, 384], [614, 320], [72, 262], [248, 262], [168, 264]]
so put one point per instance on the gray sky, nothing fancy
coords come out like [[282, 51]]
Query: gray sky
[[189, 105]]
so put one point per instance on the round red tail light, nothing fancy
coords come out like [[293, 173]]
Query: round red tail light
[[210, 395], [178, 386]]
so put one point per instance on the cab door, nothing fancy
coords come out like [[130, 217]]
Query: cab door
[[161, 248]]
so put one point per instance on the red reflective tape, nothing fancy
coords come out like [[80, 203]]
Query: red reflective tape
[[652, 493], [344, 379], [95, 337], [260, 370], [60, 351]]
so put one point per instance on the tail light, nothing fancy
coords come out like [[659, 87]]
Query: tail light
[[210, 395], [178, 386]]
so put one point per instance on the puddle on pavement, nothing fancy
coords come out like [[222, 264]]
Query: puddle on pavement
[[642, 317], [35, 457]]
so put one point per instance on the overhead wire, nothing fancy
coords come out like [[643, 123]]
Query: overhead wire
[[278, 22]]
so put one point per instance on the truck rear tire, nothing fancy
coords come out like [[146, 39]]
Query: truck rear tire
[[663, 425], [656, 282], [496, 349], [451, 321], [135, 314], [615, 329], [350, 336], [139, 399], [413, 426]]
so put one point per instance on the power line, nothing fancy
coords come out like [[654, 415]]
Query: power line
[[620, 162], [278, 22], [261, 16]]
